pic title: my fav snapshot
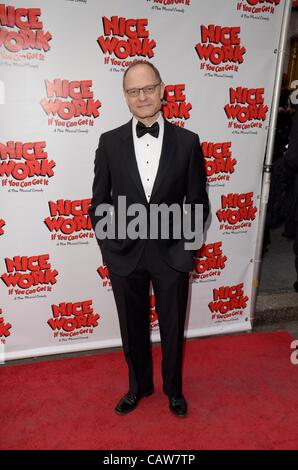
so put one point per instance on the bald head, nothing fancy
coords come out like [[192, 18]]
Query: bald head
[[142, 63]]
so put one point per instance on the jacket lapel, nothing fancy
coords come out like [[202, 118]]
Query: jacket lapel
[[167, 150], [130, 157]]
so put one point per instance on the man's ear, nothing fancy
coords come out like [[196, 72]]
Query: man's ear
[[162, 90]]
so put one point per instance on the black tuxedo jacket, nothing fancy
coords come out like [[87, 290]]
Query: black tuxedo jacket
[[180, 179]]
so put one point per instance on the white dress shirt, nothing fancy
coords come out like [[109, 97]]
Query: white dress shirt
[[148, 151]]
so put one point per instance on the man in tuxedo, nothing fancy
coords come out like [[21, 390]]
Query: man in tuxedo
[[149, 161]]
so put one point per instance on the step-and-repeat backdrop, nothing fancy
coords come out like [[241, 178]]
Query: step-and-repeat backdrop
[[61, 71]]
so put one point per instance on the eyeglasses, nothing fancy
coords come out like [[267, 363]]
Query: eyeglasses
[[147, 90]]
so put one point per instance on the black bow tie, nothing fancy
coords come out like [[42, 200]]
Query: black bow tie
[[142, 129]]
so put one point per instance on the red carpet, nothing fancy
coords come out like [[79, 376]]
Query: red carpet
[[242, 392]]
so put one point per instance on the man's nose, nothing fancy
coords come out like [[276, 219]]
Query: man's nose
[[142, 95]]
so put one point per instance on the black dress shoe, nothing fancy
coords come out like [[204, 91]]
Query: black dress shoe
[[295, 285], [130, 401], [178, 405]]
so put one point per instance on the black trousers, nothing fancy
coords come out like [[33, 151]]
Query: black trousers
[[132, 300]]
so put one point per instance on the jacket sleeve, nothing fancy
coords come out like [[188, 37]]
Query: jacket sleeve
[[196, 182], [101, 188]]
